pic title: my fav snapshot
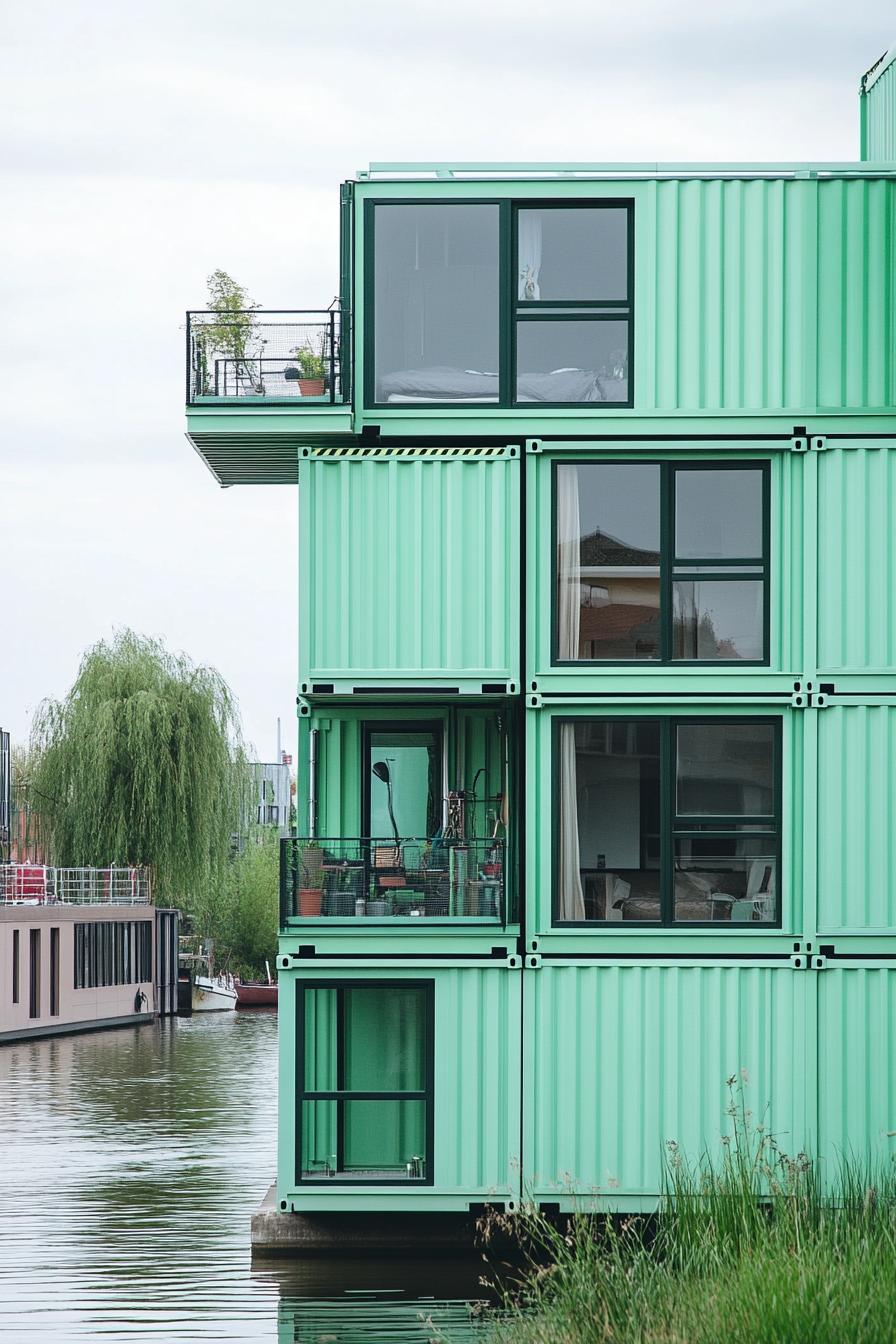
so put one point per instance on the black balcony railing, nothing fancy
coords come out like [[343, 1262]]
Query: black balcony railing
[[365, 878], [278, 356]]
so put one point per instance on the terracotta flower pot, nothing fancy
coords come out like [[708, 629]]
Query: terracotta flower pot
[[310, 900], [311, 387]]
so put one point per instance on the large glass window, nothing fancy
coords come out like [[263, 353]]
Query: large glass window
[[633, 588], [365, 1082], [666, 821], [573, 303], [487, 302], [435, 292]]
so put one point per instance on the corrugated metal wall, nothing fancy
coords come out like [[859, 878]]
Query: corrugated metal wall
[[409, 569], [880, 117], [857, 818], [766, 294], [477, 1088], [622, 1059], [857, 559], [856, 1078]]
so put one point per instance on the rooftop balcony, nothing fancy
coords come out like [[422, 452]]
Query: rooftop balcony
[[405, 880], [249, 357], [262, 384], [39, 884]]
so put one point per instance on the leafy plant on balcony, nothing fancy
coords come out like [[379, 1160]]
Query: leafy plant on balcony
[[311, 364], [228, 332]]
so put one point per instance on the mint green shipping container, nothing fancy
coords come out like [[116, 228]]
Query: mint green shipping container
[[596, 675]]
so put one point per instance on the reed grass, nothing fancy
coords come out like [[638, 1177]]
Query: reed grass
[[746, 1246]]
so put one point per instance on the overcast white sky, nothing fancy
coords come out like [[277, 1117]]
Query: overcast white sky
[[145, 144]]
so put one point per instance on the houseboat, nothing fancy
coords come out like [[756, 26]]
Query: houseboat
[[76, 947], [597, 672]]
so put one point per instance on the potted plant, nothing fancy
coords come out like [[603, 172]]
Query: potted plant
[[311, 884], [312, 368]]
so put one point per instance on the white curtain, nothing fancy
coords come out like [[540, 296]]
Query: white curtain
[[572, 902], [529, 245], [569, 586], [569, 877]]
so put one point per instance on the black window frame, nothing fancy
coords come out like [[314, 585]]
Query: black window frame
[[511, 309], [340, 1096], [670, 829], [670, 567]]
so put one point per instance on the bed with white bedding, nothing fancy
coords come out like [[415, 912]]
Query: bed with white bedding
[[443, 383]]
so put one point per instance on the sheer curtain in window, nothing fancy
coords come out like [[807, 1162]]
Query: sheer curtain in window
[[529, 249], [569, 878]]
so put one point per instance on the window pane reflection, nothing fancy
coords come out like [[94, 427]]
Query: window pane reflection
[[717, 619], [725, 769], [617, 781], [436, 303], [364, 1140], [608, 561], [718, 514], [730, 879], [572, 254], [572, 361]]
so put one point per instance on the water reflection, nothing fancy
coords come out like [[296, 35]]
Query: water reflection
[[132, 1161], [356, 1301]]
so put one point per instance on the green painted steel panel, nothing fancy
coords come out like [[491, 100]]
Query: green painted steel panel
[[753, 296], [878, 110], [409, 570], [856, 1077], [857, 559], [856, 317], [856, 805], [477, 1045], [620, 1060]]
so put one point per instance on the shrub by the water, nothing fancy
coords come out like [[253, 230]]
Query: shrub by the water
[[747, 1248]]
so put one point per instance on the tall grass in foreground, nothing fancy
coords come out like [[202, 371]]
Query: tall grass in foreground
[[746, 1247]]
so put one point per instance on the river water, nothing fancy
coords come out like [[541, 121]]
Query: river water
[[130, 1162]]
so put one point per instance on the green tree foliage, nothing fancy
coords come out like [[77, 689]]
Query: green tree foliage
[[230, 331], [245, 922], [143, 763]]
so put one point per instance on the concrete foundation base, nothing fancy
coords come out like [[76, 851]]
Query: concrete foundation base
[[274, 1232]]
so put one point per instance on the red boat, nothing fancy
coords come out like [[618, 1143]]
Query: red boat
[[255, 994]]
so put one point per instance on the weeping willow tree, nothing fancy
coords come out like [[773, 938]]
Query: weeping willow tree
[[143, 763]]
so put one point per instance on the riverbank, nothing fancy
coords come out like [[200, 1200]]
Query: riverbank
[[748, 1250]]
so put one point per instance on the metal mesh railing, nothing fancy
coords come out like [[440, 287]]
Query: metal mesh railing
[[40, 884], [278, 356], [364, 877]]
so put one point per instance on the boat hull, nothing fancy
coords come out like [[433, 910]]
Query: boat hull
[[212, 995], [255, 994]]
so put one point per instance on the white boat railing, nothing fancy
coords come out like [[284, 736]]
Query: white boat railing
[[42, 884]]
